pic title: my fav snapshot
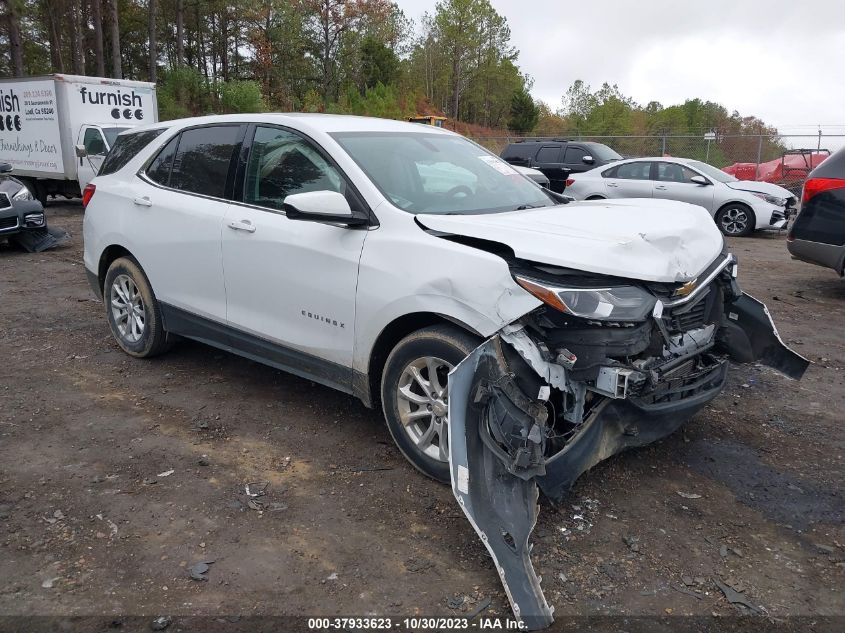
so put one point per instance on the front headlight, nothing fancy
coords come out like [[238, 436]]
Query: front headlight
[[613, 303], [23, 194], [781, 202]]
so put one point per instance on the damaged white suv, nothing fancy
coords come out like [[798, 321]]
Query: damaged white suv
[[374, 256]]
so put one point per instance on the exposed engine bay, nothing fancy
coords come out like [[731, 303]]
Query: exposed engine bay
[[604, 365]]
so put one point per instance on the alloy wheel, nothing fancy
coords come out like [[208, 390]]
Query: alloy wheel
[[127, 308], [422, 398], [734, 220]]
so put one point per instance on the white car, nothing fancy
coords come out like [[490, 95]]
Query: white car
[[739, 206], [375, 256]]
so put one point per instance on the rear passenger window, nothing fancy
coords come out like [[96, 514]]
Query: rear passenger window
[[202, 160], [159, 169], [634, 171], [125, 148], [574, 155], [548, 155]]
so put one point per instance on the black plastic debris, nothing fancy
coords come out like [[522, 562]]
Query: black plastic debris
[[734, 597], [37, 240], [199, 570]]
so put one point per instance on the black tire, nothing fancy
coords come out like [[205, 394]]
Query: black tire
[[596, 198], [446, 342], [152, 339], [40, 193], [725, 222]]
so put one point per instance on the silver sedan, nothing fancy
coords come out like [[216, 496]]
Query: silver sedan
[[739, 207]]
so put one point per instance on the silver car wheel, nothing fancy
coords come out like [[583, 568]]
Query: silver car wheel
[[422, 398], [127, 308], [734, 220]]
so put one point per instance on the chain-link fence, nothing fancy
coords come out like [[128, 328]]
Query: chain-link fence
[[782, 159]]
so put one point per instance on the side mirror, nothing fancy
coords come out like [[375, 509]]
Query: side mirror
[[589, 160], [699, 180], [5, 168], [321, 206], [81, 152]]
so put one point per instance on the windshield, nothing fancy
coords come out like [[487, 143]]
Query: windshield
[[603, 152], [444, 174], [111, 134], [712, 172]]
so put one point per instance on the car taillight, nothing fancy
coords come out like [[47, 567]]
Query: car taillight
[[87, 194], [815, 186], [570, 182]]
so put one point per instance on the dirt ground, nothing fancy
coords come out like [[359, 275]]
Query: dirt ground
[[117, 475]]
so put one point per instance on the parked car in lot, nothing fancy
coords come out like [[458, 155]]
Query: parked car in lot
[[557, 158], [739, 206], [534, 174], [818, 233], [510, 341], [19, 211]]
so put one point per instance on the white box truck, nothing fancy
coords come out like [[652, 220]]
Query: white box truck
[[46, 121]]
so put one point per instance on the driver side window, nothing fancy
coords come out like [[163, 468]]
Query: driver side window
[[94, 143], [281, 164]]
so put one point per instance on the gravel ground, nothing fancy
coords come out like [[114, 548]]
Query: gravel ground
[[118, 475]]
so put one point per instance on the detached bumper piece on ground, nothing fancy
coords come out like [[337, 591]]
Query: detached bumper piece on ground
[[523, 418], [37, 240]]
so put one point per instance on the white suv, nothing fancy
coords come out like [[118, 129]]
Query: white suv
[[414, 269], [373, 256]]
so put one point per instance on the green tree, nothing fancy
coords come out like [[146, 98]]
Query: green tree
[[524, 112], [241, 96], [379, 64]]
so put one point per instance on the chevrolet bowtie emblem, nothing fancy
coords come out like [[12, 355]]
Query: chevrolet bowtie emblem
[[686, 289]]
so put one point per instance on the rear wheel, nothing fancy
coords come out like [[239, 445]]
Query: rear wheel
[[415, 398], [596, 198], [736, 220], [132, 310]]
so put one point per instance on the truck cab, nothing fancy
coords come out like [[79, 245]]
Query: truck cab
[[93, 143]]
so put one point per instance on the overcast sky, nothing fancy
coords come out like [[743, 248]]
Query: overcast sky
[[783, 61]]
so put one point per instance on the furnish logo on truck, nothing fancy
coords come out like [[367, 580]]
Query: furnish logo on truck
[[103, 97], [10, 104]]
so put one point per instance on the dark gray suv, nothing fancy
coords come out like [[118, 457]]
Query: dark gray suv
[[818, 233], [557, 158]]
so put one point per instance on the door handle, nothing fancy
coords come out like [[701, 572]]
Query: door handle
[[242, 225], [143, 202], [660, 187], [612, 184]]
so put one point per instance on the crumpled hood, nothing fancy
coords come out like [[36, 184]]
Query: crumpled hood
[[638, 238], [761, 187]]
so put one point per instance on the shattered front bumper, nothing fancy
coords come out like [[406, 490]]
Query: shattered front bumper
[[504, 447], [617, 425]]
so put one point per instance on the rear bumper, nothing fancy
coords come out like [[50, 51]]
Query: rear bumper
[[819, 253]]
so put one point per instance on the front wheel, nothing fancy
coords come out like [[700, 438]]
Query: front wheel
[[415, 398], [736, 220]]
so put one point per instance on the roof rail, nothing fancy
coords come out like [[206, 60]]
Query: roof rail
[[540, 139]]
